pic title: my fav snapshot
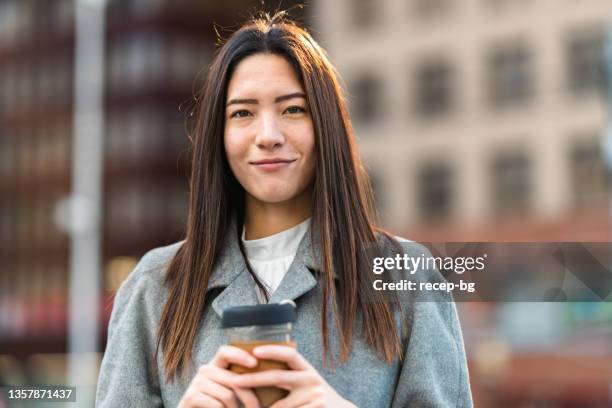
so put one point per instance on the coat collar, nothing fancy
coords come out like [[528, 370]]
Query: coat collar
[[231, 274]]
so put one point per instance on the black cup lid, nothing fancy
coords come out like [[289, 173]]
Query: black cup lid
[[258, 315]]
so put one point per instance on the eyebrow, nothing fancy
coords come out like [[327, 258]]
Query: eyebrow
[[276, 100]]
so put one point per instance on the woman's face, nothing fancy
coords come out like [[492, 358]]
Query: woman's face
[[269, 136]]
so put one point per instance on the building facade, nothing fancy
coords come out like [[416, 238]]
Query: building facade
[[476, 113], [156, 54], [483, 120]]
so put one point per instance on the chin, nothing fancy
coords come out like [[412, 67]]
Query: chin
[[274, 195], [273, 198]]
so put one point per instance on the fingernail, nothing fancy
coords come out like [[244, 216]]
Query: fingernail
[[252, 361]]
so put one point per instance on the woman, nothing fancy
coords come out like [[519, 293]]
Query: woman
[[280, 208]]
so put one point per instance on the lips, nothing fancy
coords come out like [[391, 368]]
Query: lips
[[272, 164]]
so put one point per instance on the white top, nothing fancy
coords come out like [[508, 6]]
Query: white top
[[271, 256]]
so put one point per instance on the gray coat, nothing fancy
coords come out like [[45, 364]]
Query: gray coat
[[434, 372]]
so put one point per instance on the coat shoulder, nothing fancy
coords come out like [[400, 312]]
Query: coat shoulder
[[149, 272]]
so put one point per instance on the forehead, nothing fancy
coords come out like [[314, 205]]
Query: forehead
[[263, 74]]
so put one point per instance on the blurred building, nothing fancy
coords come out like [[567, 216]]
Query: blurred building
[[483, 120], [495, 110], [155, 51], [479, 120]]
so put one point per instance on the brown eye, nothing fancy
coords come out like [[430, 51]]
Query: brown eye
[[295, 109], [241, 113]]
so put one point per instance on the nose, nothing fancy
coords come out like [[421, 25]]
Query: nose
[[269, 134]]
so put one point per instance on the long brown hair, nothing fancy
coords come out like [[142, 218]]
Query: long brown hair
[[343, 212]]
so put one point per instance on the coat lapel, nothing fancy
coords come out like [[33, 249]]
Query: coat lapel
[[299, 279], [240, 288], [232, 274]]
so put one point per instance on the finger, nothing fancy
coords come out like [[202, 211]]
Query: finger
[[286, 354], [200, 400], [224, 377], [218, 374], [227, 355], [248, 397], [220, 393], [296, 398], [287, 379]]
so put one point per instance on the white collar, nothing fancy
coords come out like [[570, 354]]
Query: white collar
[[279, 245]]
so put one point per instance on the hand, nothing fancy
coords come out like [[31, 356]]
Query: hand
[[307, 389], [212, 386]]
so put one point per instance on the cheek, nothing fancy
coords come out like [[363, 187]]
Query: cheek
[[310, 149], [233, 148]]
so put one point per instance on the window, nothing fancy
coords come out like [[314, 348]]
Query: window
[[4, 101], [135, 135], [510, 76], [60, 79], [23, 24], [41, 151], [434, 88], [506, 5], [138, 203], [23, 227], [114, 130], [25, 86], [43, 16], [27, 159], [9, 19], [136, 60], [429, 9], [7, 219], [366, 98], [44, 85], [511, 184], [40, 213], [377, 184], [60, 149], [178, 205], [126, 209], [588, 174], [186, 58], [9, 87], [65, 13], [143, 133], [145, 7], [7, 156], [364, 13], [135, 8], [435, 191], [585, 61]]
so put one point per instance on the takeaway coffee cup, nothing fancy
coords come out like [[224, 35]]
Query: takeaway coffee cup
[[250, 326]]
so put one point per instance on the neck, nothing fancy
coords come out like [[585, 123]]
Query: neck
[[265, 219]]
